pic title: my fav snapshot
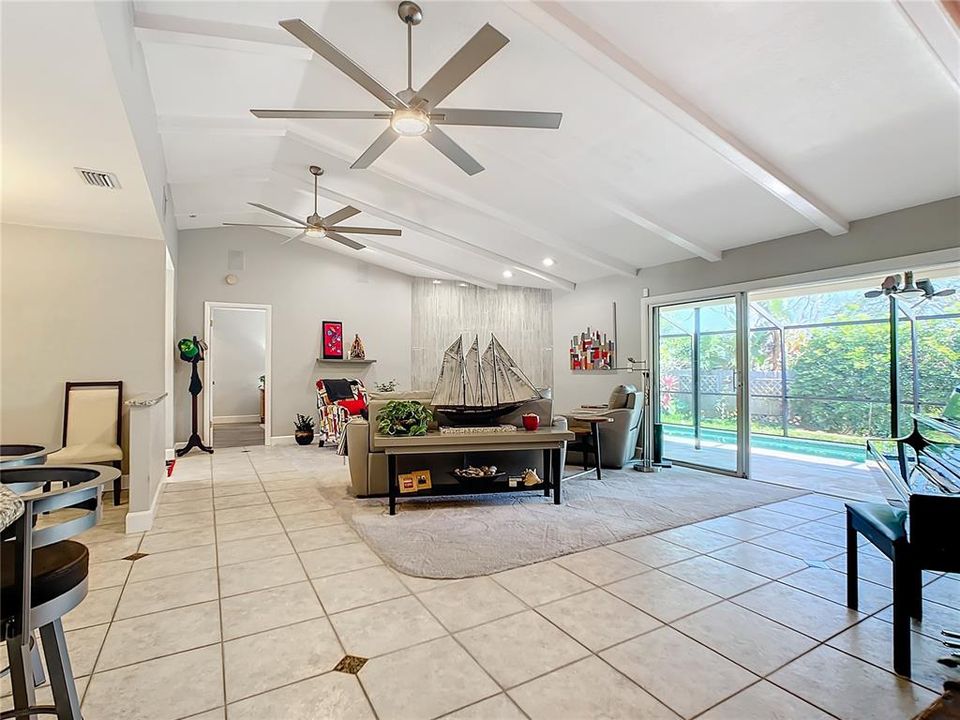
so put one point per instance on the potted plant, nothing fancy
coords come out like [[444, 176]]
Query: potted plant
[[403, 417], [304, 429]]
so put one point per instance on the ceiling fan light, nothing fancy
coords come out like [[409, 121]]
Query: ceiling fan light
[[409, 122], [315, 232]]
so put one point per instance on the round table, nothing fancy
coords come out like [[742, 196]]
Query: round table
[[594, 420]]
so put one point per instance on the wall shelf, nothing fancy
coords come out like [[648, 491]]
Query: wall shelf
[[346, 361]]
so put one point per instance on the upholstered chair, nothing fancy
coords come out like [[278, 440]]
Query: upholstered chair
[[91, 427], [618, 439]]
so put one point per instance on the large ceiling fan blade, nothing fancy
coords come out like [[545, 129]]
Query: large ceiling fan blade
[[481, 47], [340, 215], [291, 218], [445, 144], [379, 146], [497, 118], [367, 230], [313, 40], [295, 237], [261, 225], [352, 244], [322, 114]]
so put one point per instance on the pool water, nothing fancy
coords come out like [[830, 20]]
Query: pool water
[[816, 448]]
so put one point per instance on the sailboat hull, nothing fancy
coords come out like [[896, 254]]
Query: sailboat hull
[[460, 415]]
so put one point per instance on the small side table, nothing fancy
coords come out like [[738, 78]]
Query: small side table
[[594, 421]]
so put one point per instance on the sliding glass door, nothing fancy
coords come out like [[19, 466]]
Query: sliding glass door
[[699, 355]]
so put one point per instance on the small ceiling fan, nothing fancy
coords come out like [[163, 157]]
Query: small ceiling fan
[[412, 112], [891, 286], [320, 227]]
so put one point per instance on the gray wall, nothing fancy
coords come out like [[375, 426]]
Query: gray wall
[[239, 342], [925, 228], [521, 318], [74, 306], [304, 285]]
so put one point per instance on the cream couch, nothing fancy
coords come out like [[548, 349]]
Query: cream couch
[[368, 466]]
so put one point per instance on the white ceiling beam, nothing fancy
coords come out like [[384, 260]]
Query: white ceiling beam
[[306, 187], [172, 124], [933, 22], [599, 192], [421, 184], [591, 46], [171, 29]]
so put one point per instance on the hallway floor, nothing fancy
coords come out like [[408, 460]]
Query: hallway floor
[[250, 591], [236, 435]]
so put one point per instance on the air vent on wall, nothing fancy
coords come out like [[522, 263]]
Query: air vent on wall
[[97, 178]]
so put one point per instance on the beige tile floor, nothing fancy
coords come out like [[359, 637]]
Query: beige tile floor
[[252, 589]]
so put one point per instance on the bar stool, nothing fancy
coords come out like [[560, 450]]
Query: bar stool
[[43, 576], [930, 545]]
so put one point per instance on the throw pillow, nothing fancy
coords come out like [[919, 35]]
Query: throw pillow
[[354, 407]]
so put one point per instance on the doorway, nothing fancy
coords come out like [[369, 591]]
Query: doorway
[[699, 351], [237, 374]]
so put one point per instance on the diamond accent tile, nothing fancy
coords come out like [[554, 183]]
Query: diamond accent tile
[[350, 664]]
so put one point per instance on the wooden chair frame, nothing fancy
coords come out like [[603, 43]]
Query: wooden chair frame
[[118, 384]]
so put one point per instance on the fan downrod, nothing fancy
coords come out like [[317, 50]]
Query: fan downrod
[[316, 171], [410, 13]]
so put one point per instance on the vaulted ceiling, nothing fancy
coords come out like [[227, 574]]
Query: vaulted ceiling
[[688, 128]]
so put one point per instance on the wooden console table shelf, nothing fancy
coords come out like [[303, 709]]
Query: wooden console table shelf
[[548, 439]]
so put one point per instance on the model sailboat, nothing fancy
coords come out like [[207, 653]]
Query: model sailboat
[[474, 389]]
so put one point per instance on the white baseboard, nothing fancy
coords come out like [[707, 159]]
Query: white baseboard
[[138, 522], [283, 440], [235, 419]]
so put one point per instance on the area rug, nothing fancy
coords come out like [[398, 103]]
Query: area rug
[[483, 534]]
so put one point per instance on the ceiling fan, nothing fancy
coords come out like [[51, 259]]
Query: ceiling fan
[[320, 227], [891, 286], [412, 112]]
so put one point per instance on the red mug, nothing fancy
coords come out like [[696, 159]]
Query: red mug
[[531, 422]]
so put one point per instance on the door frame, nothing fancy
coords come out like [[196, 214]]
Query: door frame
[[742, 371], [208, 307]]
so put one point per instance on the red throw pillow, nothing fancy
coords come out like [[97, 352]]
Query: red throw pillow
[[354, 407]]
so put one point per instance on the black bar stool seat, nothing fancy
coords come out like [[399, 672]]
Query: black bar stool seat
[[57, 569]]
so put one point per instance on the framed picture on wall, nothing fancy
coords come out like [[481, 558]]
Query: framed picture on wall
[[332, 340]]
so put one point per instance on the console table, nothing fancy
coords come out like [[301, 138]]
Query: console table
[[548, 439]]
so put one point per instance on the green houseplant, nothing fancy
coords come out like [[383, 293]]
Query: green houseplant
[[304, 429], [403, 417]]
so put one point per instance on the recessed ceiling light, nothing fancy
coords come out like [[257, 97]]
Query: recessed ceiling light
[[548, 262], [463, 285], [507, 274], [438, 282]]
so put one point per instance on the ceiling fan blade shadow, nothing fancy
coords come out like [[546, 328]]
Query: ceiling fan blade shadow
[[291, 218], [340, 215], [486, 43], [379, 146], [445, 144], [322, 114], [260, 225], [352, 244], [497, 118], [316, 42], [367, 230], [295, 237]]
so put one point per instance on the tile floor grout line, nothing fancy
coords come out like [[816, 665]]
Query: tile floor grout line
[[93, 668], [323, 609], [216, 555]]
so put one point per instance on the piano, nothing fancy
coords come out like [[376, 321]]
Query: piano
[[921, 472]]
